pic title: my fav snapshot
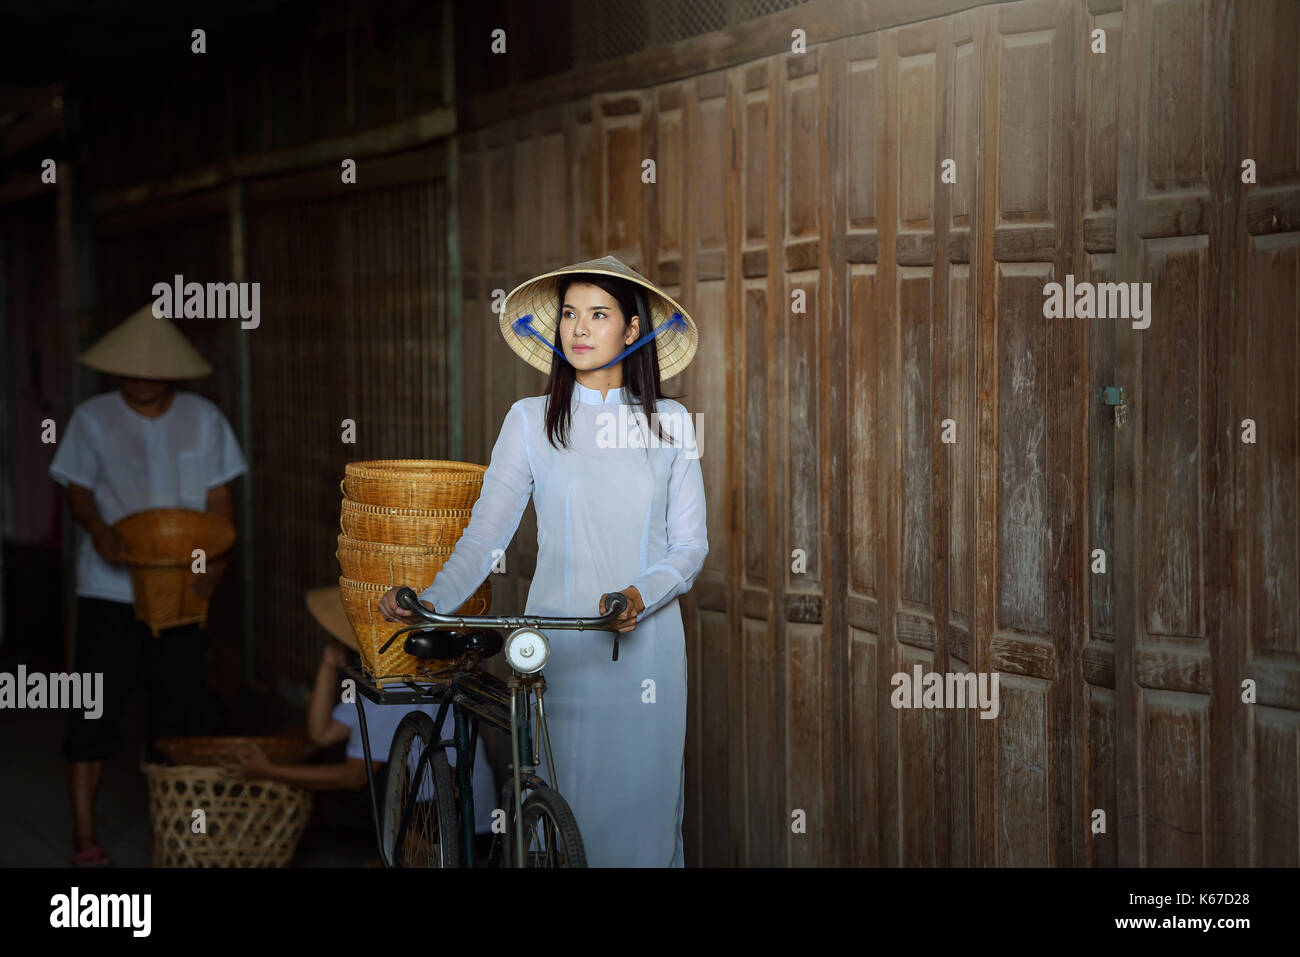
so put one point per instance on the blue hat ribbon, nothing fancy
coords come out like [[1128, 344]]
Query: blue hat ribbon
[[523, 326]]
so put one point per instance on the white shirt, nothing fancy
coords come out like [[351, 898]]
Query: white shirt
[[132, 462], [381, 724], [608, 516]]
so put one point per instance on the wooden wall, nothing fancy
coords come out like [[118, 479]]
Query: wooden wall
[[355, 326], [30, 306], [819, 174]]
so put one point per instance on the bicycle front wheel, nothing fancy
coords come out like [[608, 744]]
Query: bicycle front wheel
[[551, 836], [420, 823]]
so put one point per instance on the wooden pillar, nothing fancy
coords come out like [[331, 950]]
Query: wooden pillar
[[6, 429], [239, 273], [455, 307], [78, 298]]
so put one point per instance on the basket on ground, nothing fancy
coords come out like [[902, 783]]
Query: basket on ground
[[413, 483], [249, 824], [361, 602], [159, 550], [210, 752]]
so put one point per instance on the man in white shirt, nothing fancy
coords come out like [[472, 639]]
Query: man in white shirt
[[141, 447]]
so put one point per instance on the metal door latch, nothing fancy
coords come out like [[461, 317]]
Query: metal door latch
[[1114, 395]]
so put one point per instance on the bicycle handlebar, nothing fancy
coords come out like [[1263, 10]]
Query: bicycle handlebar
[[434, 621], [406, 598]]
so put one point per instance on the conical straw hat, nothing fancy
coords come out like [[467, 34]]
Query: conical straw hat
[[326, 606], [146, 347], [538, 298]]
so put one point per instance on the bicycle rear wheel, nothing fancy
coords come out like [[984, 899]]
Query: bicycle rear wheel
[[551, 835], [421, 826]]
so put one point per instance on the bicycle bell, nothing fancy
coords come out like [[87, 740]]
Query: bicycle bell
[[527, 650]]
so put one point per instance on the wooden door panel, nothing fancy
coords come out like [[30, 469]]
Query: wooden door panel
[[1170, 485], [1099, 791], [1274, 836], [1273, 654], [920, 747], [1098, 94], [768, 816], [1025, 765], [721, 754], [1029, 455], [806, 683], [802, 440], [1024, 383], [808, 716], [672, 172], [963, 55], [959, 407], [919, 278], [623, 148], [866, 772], [1094, 740], [916, 567], [872, 749], [864, 529], [1175, 774], [1268, 32], [1272, 481], [710, 390], [764, 559], [1174, 737], [805, 744]]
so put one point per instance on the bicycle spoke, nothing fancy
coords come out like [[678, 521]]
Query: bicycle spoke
[[420, 813], [544, 848], [551, 832], [421, 844]]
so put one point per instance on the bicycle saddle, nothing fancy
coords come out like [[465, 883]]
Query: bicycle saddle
[[448, 645]]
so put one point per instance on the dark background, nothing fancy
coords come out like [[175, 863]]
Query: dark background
[[779, 173]]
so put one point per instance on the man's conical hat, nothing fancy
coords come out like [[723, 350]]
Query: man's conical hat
[[146, 347]]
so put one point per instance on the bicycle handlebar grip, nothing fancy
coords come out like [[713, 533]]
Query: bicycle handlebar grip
[[615, 603], [408, 599]]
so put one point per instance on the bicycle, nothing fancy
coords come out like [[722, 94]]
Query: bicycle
[[428, 812]]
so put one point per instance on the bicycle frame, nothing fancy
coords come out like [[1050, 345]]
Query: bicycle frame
[[486, 698]]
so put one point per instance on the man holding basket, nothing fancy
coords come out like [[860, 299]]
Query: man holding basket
[[143, 446]]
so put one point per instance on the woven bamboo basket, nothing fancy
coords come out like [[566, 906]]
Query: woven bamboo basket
[[376, 562], [209, 752], [248, 824], [361, 602], [389, 525], [413, 483], [159, 546]]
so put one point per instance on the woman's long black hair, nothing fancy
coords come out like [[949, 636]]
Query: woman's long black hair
[[640, 368]]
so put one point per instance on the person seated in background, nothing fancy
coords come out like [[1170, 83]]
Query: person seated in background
[[331, 721]]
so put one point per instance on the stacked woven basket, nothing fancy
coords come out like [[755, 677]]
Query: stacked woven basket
[[400, 522]]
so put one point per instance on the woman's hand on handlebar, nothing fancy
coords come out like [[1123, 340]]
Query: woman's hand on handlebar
[[626, 621], [391, 611]]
